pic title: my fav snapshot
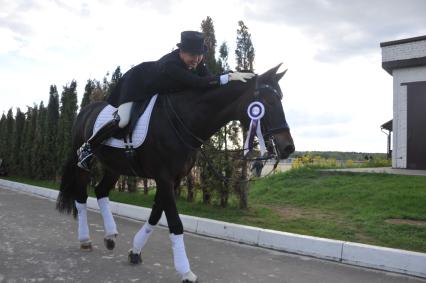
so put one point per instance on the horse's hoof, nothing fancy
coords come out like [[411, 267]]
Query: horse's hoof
[[86, 245], [134, 258], [109, 242], [189, 277]]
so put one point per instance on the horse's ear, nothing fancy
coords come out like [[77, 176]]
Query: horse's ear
[[280, 75], [277, 67], [271, 73]]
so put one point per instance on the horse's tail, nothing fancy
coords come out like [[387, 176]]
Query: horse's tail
[[65, 203]]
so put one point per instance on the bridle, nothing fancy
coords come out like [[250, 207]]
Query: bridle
[[284, 126], [196, 141]]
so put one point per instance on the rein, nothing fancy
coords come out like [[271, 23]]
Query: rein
[[199, 141]]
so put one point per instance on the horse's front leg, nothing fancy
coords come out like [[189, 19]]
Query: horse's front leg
[[167, 198], [145, 232], [102, 192]]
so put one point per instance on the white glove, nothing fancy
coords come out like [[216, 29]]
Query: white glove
[[237, 76]]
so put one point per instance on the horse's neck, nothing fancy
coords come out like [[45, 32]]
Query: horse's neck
[[205, 113]]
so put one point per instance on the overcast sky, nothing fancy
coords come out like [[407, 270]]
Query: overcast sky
[[336, 95]]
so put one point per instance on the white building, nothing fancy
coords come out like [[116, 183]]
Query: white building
[[405, 60]]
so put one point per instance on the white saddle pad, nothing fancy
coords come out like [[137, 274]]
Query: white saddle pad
[[140, 131]]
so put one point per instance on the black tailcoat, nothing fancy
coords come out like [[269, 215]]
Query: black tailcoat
[[167, 75]]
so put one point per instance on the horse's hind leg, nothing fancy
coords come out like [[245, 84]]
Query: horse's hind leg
[[83, 179], [102, 191]]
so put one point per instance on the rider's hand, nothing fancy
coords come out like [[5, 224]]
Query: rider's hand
[[237, 76]]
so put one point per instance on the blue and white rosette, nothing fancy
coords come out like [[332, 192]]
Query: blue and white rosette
[[255, 111]]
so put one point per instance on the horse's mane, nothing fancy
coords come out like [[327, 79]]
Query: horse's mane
[[230, 89]]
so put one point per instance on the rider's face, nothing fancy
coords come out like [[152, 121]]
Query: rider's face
[[191, 60]]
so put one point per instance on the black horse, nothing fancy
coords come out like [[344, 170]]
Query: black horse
[[179, 124]]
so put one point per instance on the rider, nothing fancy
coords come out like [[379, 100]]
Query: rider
[[181, 69]]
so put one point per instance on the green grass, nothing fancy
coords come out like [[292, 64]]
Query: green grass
[[40, 183], [345, 206]]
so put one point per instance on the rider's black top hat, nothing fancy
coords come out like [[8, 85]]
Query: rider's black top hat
[[192, 42]]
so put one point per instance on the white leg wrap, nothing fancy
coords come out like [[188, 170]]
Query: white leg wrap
[[124, 113], [141, 237], [83, 227], [179, 254], [109, 223]]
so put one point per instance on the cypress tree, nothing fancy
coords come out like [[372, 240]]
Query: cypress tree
[[51, 140], [28, 141], [9, 139], [115, 77], [98, 93], [38, 150], [15, 161], [68, 112], [223, 58], [245, 51], [105, 86], [207, 28], [245, 60], [88, 90], [207, 181], [3, 136]]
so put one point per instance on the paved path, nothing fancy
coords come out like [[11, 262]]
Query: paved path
[[37, 244]]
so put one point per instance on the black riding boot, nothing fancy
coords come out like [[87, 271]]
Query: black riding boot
[[85, 152]]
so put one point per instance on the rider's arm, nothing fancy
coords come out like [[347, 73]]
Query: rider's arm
[[194, 80]]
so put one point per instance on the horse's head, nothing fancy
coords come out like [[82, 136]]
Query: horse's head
[[274, 125]]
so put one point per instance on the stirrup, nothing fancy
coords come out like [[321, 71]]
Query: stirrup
[[85, 164], [84, 156]]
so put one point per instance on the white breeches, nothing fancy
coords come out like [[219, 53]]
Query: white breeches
[[124, 113]]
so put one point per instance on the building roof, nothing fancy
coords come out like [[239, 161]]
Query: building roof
[[402, 41], [403, 53]]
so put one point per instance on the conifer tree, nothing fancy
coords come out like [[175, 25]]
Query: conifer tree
[[88, 90], [223, 58], [244, 53], [245, 61], [15, 157], [9, 138], [3, 139], [28, 141], [39, 150], [3, 136], [207, 28], [98, 93], [68, 112], [208, 181], [51, 140], [115, 77]]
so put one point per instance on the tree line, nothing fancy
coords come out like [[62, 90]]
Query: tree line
[[35, 142]]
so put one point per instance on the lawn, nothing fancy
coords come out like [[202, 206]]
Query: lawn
[[346, 206], [378, 209]]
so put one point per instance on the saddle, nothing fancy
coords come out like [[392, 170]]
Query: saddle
[[138, 108], [135, 133]]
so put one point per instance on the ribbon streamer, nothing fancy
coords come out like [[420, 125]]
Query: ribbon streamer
[[255, 111]]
